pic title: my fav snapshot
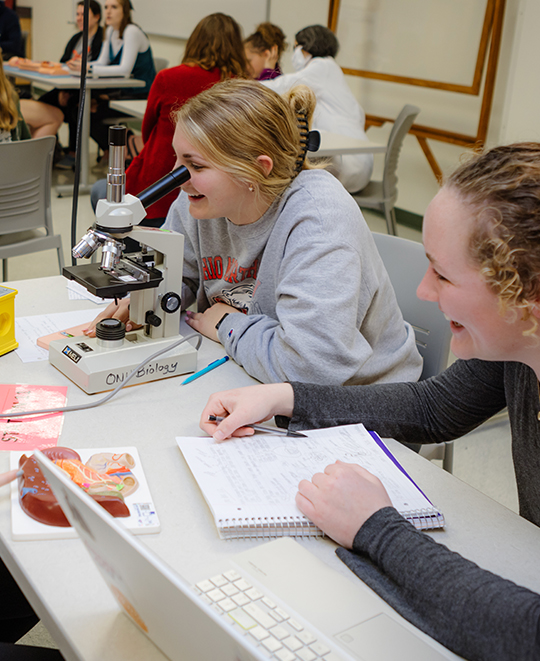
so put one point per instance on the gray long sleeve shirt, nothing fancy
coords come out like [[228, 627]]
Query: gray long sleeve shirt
[[473, 612], [317, 299], [441, 409], [496, 619]]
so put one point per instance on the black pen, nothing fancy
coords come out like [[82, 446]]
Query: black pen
[[271, 430]]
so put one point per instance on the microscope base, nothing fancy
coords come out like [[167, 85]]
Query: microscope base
[[97, 369]]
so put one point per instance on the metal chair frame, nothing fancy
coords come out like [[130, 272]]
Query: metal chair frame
[[382, 195]]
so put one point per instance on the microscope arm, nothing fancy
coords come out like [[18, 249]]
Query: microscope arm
[[169, 247]]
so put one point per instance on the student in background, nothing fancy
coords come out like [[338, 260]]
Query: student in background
[[42, 120], [12, 125], [10, 33], [337, 110], [481, 234], [67, 101], [277, 256], [214, 52], [263, 51], [73, 50], [46, 115], [125, 52]]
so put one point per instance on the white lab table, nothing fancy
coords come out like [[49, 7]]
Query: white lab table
[[61, 581], [72, 82]]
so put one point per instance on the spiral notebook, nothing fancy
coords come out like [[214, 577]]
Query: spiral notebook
[[250, 483]]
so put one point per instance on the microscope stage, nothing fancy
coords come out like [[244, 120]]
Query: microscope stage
[[105, 285]]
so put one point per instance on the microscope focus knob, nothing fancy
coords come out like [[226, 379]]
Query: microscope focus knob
[[170, 302], [152, 319]]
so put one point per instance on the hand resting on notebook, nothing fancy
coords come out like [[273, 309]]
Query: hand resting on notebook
[[341, 500]]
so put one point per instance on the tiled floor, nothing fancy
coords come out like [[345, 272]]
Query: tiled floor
[[482, 458]]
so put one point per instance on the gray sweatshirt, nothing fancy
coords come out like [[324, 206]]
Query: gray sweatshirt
[[473, 612], [318, 302]]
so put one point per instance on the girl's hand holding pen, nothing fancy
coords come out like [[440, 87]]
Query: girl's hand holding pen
[[245, 406], [266, 428]]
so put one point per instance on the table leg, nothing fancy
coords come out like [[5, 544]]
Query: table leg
[[84, 183]]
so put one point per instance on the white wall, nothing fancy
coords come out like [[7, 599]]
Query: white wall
[[521, 109], [53, 25], [441, 109], [50, 27], [516, 107]]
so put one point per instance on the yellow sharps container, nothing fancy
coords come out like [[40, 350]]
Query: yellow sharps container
[[7, 320]]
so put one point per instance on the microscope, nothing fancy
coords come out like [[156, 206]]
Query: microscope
[[152, 276]]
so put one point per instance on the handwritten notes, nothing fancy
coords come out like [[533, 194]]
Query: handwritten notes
[[29, 329]]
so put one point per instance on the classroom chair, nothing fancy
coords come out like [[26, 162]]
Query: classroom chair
[[25, 200], [160, 63], [406, 263], [382, 195]]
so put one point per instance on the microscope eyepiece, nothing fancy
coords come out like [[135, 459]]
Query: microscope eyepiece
[[117, 136], [163, 186]]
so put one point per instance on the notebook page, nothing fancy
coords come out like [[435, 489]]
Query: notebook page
[[258, 476]]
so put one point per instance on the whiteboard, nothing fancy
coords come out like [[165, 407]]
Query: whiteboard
[[430, 39], [177, 18]]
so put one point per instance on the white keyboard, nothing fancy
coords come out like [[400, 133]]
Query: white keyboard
[[273, 629]]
